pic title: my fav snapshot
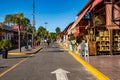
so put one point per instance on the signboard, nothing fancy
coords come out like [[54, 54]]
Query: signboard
[[15, 27]]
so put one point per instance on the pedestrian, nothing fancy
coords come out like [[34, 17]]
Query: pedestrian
[[48, 42], [82, 48], [86, 51], [71, 46], [34, 44]]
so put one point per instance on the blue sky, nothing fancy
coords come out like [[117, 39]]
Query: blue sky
[[57, 13]]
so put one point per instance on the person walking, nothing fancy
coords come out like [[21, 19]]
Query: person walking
[[48, 42], [82, 48], [86, 56]]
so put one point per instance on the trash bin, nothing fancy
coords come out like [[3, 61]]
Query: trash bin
[[4, 53]]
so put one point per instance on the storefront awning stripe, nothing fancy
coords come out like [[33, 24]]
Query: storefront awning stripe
[[90, 7], [96, 2]]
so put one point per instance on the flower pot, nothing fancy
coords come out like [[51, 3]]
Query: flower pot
[[4, 53]]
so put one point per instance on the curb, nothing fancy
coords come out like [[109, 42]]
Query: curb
[[24, 53], [93, 70]]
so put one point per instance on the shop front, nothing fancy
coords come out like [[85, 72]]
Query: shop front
[[102, 31]]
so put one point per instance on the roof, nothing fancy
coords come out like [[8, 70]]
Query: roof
[[89, 6], [69, 25], [90, 2]]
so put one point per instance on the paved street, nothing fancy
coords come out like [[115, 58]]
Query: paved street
[[51, 63]]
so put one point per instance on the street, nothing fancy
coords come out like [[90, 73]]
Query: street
[[51, 63]]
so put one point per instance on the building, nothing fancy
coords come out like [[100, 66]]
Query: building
[[101, 27]]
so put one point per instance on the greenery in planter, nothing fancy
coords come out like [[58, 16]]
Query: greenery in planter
[[71, 37], [5, 44]]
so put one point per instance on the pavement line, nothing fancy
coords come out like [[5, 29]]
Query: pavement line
[[11, 68], [93, 70]]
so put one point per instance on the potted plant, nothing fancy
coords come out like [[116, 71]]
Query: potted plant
[[5, 44]]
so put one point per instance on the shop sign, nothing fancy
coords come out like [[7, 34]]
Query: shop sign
[[15, 27]]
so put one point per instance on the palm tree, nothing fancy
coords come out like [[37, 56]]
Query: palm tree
[[2, 25], [27, 29], [8, 19], [26, 25], [18, 19], [42, 32]]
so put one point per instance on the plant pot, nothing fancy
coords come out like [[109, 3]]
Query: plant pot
[[4, 53]]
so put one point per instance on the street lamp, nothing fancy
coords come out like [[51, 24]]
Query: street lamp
[[45, 25]]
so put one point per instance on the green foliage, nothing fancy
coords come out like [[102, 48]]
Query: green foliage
[[53, 35], [71, 37], [58, 30], [38, 41], [18, 18], [5, 43], [2, 25], [42, 31], [8, 19]]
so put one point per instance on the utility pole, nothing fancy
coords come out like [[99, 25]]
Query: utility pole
[[33, 13], [33, 22]]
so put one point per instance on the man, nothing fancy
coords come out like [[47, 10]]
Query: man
[[82, 48]]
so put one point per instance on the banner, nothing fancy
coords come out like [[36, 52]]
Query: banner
[[15, 27]]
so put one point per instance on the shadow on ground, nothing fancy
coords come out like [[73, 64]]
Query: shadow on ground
[[16, 57], [55, 51], [3, 67]]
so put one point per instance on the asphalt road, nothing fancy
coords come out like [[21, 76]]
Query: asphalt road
[[51, 63]]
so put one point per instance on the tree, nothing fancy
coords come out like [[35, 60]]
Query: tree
[[27, 29], [18, 19], [8, 19], [2, 25], [42, 31], [58, 30], [52, 36]]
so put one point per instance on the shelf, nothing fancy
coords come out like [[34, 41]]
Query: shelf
[[116, 40], [104, 42], [104, 50]]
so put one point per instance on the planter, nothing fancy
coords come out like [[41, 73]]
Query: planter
[[4, 53], [5, 45]]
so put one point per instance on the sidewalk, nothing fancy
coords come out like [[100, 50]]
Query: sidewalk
[[25, 52], [106, 64]]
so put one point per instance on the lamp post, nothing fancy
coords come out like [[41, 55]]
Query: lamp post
[[45, 25], [46, 29]]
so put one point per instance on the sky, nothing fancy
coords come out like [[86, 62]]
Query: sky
[[57, 13]]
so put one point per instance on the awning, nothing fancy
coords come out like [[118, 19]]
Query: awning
[[90, 7], [95, 3], [80, 17], [15, 27]]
